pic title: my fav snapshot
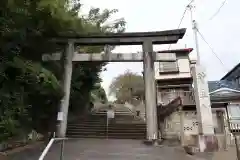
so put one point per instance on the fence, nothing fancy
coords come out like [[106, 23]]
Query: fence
[[234, 128]]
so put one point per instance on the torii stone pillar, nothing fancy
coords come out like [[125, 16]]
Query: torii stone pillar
[[66, 83], [150, 90]]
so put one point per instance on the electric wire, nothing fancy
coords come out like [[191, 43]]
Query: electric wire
[[218, 10], [181, 20], [212, 50]]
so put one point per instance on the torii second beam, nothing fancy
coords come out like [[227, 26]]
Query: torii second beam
[[112, 57]]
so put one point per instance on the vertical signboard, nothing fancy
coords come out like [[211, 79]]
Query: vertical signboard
[[202, 99], [110, 114]]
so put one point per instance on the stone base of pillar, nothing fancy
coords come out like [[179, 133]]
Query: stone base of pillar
[[207, 143], [152, 142], [200, 143]]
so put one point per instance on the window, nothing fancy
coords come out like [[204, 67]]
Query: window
[[218, 121], [234, 116], [166, 67], [234, 112], [238, 81]]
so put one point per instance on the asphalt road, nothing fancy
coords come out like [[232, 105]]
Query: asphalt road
[[103, 149]]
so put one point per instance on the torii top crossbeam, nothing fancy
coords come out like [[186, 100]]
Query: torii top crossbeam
[[131, 38]]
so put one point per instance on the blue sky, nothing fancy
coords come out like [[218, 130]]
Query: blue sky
[[221, 32]]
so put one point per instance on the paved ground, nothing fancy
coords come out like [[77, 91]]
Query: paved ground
[[100, 149], [27, 154], [229, 154]]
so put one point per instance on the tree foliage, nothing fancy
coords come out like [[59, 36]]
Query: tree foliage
[[30, 90], [127, 86], [98, 94], [88, 72]]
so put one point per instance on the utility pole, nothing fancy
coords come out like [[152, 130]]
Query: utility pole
[[195, 30], [202, 98]]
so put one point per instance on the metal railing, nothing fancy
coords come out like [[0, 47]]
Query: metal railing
[[234, 128], [186, 96], [49, 145]]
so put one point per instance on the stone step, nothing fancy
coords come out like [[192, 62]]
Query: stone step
[[124, 126], [88, 121], [126, 122], [117, 124], [134, 130], [105, 120], [110, 132], [105, 126], [116, 113], [107, 137], [95, 126]]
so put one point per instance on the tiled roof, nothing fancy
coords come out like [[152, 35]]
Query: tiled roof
[[214, 85], [231, 71]]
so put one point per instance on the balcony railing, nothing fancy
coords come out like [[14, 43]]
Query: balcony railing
[[234, 125], [187, 97]]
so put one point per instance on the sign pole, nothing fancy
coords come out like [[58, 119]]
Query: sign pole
[[107, 125]]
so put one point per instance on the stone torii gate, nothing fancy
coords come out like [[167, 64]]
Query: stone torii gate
[[146, 39]]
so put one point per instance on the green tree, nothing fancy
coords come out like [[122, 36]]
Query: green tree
[[29, 89], [127, 86], [98, 94], [86, 75]]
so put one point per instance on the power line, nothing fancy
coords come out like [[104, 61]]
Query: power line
[[219, 9], [186, 8], [212, 49], [183, 15]]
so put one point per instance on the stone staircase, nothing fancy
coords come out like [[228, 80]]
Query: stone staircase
[[125, 125]]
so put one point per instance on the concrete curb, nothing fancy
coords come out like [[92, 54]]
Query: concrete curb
[[20, 149], [192, 150], [3, 156], [156, 142]]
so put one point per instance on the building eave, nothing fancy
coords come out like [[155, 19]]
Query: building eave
[[184, 50], [224, 89]]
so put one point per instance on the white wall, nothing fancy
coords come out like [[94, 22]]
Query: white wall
[[184, 69]]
